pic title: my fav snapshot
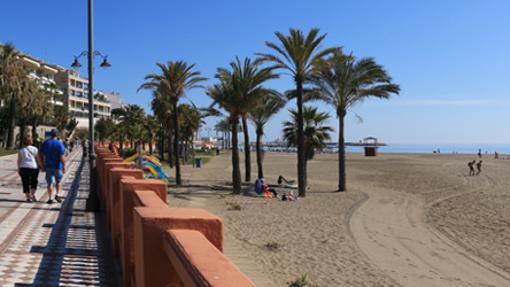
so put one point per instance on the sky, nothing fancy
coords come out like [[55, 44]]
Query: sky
[[451, 58]]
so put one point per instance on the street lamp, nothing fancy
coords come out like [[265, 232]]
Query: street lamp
[[93, 199]]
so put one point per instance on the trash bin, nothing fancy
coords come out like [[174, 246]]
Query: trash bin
[[198, 162]]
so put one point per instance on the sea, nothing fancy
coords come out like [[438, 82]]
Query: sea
[[442, 148]]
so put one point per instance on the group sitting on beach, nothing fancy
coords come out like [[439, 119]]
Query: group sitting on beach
[[262, 188]]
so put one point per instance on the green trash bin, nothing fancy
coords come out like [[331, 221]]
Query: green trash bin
[[198, 162]]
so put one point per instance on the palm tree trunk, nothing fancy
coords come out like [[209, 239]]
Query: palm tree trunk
[[22, 132], [236, 171], [247, 154], [12, 125], [170, 149], [341, 154], [162, 145], [176, 145], [34, 129], [300, 141], [259, 154]]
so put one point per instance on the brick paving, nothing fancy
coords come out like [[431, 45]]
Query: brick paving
[[57, 244]]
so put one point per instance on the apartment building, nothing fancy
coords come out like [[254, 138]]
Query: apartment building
[[75, 89], [44, 74], [69, 89]]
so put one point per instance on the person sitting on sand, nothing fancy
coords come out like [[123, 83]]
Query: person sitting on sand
[[267, 189], [281, 180], [258, 185], [471, 167], [479, 167]]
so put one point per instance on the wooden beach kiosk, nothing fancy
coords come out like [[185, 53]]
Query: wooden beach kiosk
[[370, 145]]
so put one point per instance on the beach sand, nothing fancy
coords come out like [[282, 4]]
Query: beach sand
[[406, 220]]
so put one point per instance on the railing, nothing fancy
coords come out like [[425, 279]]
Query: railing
[[158, 245]]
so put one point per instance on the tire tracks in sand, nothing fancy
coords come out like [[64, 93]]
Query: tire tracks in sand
[[390, 228]]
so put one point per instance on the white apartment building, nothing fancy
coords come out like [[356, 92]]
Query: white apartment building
[[75, 90], [44, 74]]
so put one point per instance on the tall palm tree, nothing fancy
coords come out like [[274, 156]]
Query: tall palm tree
[[224, 95], [247, 80], [192, 119], [345, 81], [163, 110], [316, 133], [12, 77], [260, 116], [223, 126], [300, 55], [175, 79], [133, 118], [152, 127]]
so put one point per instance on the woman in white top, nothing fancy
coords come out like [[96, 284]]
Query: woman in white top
[[28, 169]]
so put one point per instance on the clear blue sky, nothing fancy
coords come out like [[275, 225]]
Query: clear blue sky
[[451, 58]]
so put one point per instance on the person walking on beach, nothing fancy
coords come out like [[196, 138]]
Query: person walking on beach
[[28, 168], [479, 153], [479, 167], [52, 156], [471, 167]]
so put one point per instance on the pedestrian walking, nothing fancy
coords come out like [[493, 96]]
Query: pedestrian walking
[[84, 148], [28, 168], [52, 156]]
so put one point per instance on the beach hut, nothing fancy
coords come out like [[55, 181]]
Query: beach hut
[[370, 144]]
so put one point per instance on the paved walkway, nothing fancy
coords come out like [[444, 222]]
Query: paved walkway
[[52, 245]]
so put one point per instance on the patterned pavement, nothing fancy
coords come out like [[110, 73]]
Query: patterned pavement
[[57, 244]]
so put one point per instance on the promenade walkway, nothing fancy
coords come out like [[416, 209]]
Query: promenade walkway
[[52, 245]]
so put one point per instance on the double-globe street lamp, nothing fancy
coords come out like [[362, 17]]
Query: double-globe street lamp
[[93, 199]]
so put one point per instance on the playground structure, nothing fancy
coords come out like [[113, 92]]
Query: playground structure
[[149, 164]]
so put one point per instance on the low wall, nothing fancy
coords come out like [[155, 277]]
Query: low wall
[[158, 245]]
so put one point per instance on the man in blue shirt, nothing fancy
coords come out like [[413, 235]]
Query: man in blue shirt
[[51, 155]]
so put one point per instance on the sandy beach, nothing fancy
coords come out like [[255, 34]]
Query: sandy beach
[[406, 220]]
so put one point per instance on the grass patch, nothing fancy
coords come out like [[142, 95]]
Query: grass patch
[[302, 282], [224, 195], [7, 151], [233, 206]]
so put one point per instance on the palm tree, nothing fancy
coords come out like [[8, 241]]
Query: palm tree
[[223, 126], [43, 112], [223, 95], [345, 81], [260, 116], [12, 77], [152, 127], [163, 112], [300, 56], [247, 80], [315, 132], [133, 118], [175, 79], [191, 119]]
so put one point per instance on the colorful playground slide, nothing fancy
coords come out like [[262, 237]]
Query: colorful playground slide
[[154, 169], [150, 164]]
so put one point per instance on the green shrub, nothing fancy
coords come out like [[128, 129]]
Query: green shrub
[[233, 206], [127, 152], [302, 282]]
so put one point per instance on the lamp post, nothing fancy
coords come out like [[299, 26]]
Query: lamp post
[[93, 199]]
